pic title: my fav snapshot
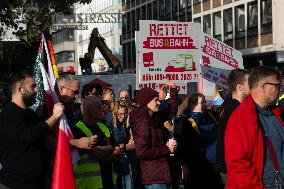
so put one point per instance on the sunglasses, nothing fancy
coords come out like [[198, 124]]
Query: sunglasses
[[278, 85], [75, 92]]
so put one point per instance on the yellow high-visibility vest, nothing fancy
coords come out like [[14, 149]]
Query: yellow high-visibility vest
[[87, 171], [280, 98]]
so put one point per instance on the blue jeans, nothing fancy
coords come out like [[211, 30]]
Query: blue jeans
[[125, 181], [156, 186]]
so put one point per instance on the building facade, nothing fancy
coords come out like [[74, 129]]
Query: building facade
[[135, 10], [255, 27], [71, 44]]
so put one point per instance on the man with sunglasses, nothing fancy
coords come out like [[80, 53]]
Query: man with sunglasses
[[254, 136], [67, 88]]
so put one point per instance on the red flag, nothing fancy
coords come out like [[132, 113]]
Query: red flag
[[63, 175]]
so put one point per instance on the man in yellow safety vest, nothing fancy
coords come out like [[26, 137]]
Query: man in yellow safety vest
[[87, 171]]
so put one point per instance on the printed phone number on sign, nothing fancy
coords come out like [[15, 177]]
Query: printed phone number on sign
[[174, 77]]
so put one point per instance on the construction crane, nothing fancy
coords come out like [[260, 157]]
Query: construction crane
[[97, 41]]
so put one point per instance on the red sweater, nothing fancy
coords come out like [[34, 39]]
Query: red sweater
[[244, 147]]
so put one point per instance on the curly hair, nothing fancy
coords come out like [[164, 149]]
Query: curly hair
[[120, 104]]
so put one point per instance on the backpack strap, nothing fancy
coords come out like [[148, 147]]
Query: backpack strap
[[272, 154]]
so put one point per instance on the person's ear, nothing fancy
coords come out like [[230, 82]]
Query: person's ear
[[239, 87], [61, 90], [20, 90]]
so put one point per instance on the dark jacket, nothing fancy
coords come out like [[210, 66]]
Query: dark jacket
[[207, 127], [121, 136], [229, 107], [191, 152], [150, 148], [22, 148]]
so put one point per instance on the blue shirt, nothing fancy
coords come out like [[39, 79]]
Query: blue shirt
[[272, 127]]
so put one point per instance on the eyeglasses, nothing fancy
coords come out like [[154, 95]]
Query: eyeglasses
[[122, 102], [124, 98], [278, 85], [122, 114], [75, 92]]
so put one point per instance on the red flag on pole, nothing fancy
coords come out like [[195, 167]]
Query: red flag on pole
[[63, 175]]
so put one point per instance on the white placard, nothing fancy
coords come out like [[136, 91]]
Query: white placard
[[218, 59], [169, 50]]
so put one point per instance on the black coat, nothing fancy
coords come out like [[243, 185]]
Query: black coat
[[22, 148], [229, 107], [191, 153]]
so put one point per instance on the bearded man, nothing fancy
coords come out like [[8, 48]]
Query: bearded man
[[22, 137]]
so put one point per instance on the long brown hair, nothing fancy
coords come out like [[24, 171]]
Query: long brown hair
[[182, 107], [189, 103], [193, 100]]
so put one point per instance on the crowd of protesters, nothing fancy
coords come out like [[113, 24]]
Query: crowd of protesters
[[151, 141]]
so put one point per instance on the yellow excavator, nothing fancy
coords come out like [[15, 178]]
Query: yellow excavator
[[97, 41]]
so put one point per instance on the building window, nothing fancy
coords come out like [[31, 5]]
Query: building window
[[144, 13], [174, 9], [182, 13], [240, 22], [128, 23], [161, 9], [207, 24], [133, 54], [155, 11], [197, 20], [65, 56], [252, 19], [149, 11], [124, 24], [124, 56], [196, 1], [182, 4], [228, 24], [189, 14], [266, 16], [133, 25], [168, 9], [189, 3], [217, 26], [129, 55], [137, 18], [63, 35]]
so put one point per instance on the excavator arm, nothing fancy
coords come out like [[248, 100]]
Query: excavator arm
[[96, 41]]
